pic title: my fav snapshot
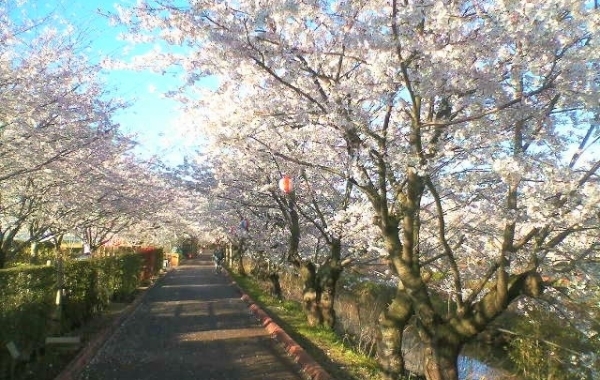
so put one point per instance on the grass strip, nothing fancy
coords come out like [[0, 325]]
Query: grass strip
[[323, 344]]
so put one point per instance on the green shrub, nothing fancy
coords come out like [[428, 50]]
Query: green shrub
[[81, 281], [26, 300], [28, 293], [129, 269], [546, 347]]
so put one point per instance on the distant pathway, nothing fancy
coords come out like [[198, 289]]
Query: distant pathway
[[191, 326]]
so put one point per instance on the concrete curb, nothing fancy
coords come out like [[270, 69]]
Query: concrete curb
[[74, 368], [309, 366]]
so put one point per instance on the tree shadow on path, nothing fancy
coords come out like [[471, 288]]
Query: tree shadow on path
[[192, 325]]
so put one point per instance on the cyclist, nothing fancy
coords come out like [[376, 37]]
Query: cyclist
[[218, 256]]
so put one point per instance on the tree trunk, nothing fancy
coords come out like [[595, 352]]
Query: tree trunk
[[441, 353], [294, 240], [34, 249], [392, 322], [240, 265], [328, 276], [311, 294], [7, 248], [275, 285], [443, 348], [293, 225], [240, 258], [261, 268]]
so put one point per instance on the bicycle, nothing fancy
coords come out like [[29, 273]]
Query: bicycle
[[218, 266]]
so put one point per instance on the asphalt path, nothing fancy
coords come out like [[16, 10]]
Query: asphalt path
[[191, 325]]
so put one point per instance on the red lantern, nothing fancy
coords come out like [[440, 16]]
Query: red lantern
[[286, 184]]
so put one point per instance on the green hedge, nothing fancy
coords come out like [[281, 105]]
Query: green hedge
[[26, 300], [27, 294]]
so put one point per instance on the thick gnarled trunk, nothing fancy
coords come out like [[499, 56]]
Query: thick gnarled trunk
[[318, 294], [440, 354], [392, 322], [328, 276], [319, 288], [443, 340], [310, 294]]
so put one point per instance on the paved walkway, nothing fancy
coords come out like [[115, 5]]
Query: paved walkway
[[191, 325]]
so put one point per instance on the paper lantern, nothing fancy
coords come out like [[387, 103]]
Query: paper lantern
[[286, 184]]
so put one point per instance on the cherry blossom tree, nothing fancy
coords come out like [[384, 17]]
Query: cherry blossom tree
[[56, 129], [250, 164], [174, 205], [52, 100], [464, 123]]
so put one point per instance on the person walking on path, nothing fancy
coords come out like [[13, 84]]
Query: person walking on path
[[192, 325]]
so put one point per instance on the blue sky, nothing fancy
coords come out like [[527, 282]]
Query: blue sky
[[151, 116]]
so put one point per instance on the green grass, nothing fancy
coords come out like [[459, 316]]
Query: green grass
[[322, 344]]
